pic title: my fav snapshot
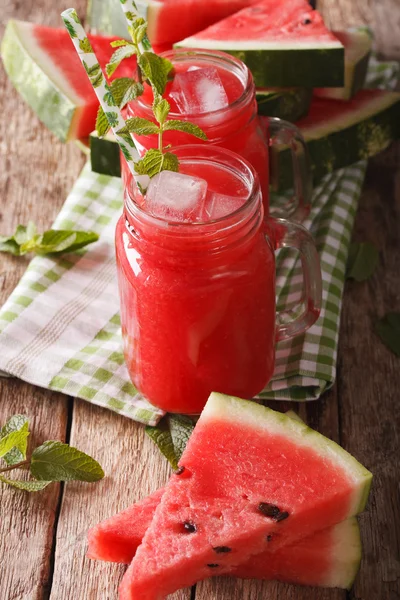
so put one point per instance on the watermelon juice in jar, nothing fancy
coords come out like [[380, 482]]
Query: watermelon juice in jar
[[196, 278], [216, 92]]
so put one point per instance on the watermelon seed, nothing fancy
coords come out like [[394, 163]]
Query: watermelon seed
[[189, 527], [269, 537], [179, 470], [282, 516], [222, 549], [269, 510], [306, 21], [212, 566]]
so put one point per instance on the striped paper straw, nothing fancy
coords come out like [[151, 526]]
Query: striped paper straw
[[131, 13], [100, 85]]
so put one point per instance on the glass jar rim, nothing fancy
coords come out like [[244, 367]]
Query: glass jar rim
[[240, 69]]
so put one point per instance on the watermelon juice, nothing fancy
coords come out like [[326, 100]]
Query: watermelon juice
[[197, 282], [234, 125]]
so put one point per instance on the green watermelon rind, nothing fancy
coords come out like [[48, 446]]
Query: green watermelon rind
[[58, 112], [105, 157], [261, 418], [347, 549], [282, 65], [288, 104]]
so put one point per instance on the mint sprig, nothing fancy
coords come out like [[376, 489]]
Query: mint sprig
[[52, 461], [362, 261], [54, 241]]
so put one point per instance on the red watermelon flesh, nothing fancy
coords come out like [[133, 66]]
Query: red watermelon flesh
[[327, 558], [242, 463]]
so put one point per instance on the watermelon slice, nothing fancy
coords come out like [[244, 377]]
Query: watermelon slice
[[285, 44], [339, 133], [290, 104], [328, 558], [357, 50], [44, 67], [249, 473], [168, 20]]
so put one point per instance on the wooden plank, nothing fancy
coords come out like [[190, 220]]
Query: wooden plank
[[369, 380], [134, 468], [382, 16], [36, 173]]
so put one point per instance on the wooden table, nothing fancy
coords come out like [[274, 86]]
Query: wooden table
[[43, 536]]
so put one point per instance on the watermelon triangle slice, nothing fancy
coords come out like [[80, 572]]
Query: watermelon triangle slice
[[285, 44], [327, 558], [249, 473], [44, 67]]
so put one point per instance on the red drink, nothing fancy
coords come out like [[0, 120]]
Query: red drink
[[234, 126], [198, 295]]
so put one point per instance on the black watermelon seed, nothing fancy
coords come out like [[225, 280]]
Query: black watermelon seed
[[212, 566], [222, 549], [282, 516], [179, 470], [269, 510], [306, 21], [269, 537], [189, 527]]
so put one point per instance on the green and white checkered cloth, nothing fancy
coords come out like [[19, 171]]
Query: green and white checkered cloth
[[60, 328]]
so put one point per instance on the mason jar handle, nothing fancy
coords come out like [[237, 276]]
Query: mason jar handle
[[285, 234], [284, 135]]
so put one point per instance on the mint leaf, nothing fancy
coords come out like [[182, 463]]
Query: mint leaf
[[154, 161], [388, 330], [102, 124], [118, 57], [10, 246], [185, 127], [362, 261], [181, 428], [28, 486], [24, 234], [125, 90], [155, 69], [18, 452], [161, 109], [119, 43], [56, 241], [162, 438], [14, 439], [139, 126], [55, 461]]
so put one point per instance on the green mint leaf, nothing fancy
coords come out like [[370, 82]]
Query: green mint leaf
[[388, 330], [162, 438], [28, 486], [120, 43], [55, 461], [56, 241], [139, 126], [70, 28], [154, 162], [85, 46], [146, 43], [14, 439], [185, 127], [125, 90], [362, 261], [155, 69], [181, 428], [161, 109], [102, 124], [118, 57], [24, 234], [10, 246], [18, 452], [139, 33]]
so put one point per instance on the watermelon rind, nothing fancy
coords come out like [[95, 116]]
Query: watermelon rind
[[48, 95], [105, 154], [236, 410], [288, 104], [346, 554], [358, 45]]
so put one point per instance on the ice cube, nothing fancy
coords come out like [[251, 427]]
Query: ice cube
[[198, 92], [220, 205], [176, 197]]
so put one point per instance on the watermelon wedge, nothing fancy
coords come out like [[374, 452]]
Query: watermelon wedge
[[249, 473], [357, 50], [44, 67], [168, 20], [285, 44], [290, 104], [328, 558]]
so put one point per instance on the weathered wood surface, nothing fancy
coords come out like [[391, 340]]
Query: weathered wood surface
[[42, 536]]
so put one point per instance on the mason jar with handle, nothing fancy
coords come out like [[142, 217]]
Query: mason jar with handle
[[196, 271]]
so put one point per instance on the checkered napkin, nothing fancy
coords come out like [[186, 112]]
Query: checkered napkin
[[60, 328]]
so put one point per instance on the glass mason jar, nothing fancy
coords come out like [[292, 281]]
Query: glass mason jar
[[198, 299], [236, 127]]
